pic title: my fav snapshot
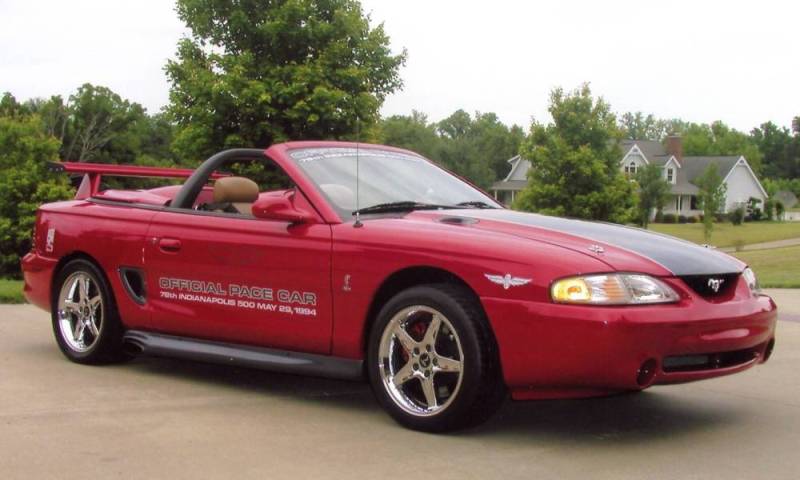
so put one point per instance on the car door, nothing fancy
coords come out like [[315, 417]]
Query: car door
[[240, 279]]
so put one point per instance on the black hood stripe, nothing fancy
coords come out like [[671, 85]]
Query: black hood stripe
[[678, 256]]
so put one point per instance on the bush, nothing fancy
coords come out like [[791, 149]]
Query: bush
[[737, 216], [659, 217], [693, 219], [754, 212], [682, 219], [780, 210], [769, 209], [24, 185], [720, 217], [670, 218]]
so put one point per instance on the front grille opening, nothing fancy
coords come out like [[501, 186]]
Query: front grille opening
[[708, 361], [721, 286]]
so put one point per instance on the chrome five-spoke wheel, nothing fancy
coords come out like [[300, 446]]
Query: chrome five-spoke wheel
[[84, 314], [421, 360], [433, 362], [80, 311]]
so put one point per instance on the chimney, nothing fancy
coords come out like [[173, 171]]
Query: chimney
[[675, 146]]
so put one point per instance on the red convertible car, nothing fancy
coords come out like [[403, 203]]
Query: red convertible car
[[359, 261]]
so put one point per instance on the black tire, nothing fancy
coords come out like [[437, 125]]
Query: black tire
[[104, 347], [480, 390]]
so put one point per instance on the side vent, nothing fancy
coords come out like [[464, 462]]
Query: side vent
[[133, 281]]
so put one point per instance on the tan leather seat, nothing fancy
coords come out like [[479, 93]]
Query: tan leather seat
[[238, 192]]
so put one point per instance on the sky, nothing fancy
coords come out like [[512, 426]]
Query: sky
[[697, 60]]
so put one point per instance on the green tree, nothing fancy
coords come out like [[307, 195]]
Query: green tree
[[412, 132], [575, 161], [11, 108], [260, 71], [711, 197], [719, 139], [780, 150], [653, 191], [97, 125], [25, 149], [495, 143], [477, 148], [638, 126], [457, 149], [101, 127]]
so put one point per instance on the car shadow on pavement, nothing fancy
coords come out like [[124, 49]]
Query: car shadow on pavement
[[652, 415], [660, 413], [336, 393]]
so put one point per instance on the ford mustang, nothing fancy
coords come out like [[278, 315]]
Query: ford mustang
[[359, 261]]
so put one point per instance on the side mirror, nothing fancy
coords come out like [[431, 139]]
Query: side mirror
[[279, 207]]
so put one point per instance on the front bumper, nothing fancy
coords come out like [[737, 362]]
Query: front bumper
[[557, 351]]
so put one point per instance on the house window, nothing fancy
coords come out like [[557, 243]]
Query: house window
[[630, 169], [671, 175], [695, 203]]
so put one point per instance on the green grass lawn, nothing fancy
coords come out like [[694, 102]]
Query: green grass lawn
[[775, 267], [728, 235], [11, 291]]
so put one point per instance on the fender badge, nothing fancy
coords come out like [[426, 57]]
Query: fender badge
[[346, 286], [50, 242], [594, 248], [507, 281]]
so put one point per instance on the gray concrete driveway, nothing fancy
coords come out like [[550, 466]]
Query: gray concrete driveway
[[156, 418]]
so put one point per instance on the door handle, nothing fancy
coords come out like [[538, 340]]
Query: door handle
[[169, 244]]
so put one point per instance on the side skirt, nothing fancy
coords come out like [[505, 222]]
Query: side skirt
[[156, 344]]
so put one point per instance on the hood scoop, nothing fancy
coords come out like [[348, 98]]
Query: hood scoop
[[453, 220]]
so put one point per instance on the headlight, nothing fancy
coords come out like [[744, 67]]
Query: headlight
[[752, 282], [612, 289]]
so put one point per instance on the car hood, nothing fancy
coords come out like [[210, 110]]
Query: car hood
[[623, 248]]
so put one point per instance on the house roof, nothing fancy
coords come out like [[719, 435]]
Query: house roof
[[693, 167], [682, 186], [517, 163], [650, 148]]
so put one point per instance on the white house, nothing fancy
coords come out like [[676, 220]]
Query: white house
[[679, 171]]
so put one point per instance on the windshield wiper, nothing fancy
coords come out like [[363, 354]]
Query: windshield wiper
[[476, 204], [405, 206]]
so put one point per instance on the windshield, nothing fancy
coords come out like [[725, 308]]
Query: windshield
[[384, 177]]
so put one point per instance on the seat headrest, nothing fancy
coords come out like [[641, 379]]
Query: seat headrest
[[235, 189]]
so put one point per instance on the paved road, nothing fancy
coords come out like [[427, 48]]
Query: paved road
[[170, 419], [788, 301], [789, 242]]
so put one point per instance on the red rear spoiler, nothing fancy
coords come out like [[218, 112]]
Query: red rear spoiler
[[93, 173]]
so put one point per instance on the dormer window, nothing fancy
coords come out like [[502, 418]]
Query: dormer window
[[671, 175], [630, 169]]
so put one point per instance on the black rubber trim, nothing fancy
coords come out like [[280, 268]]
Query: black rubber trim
[[123, 275], [120, 203], [188, 193], [55, 167], [282, 361]]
